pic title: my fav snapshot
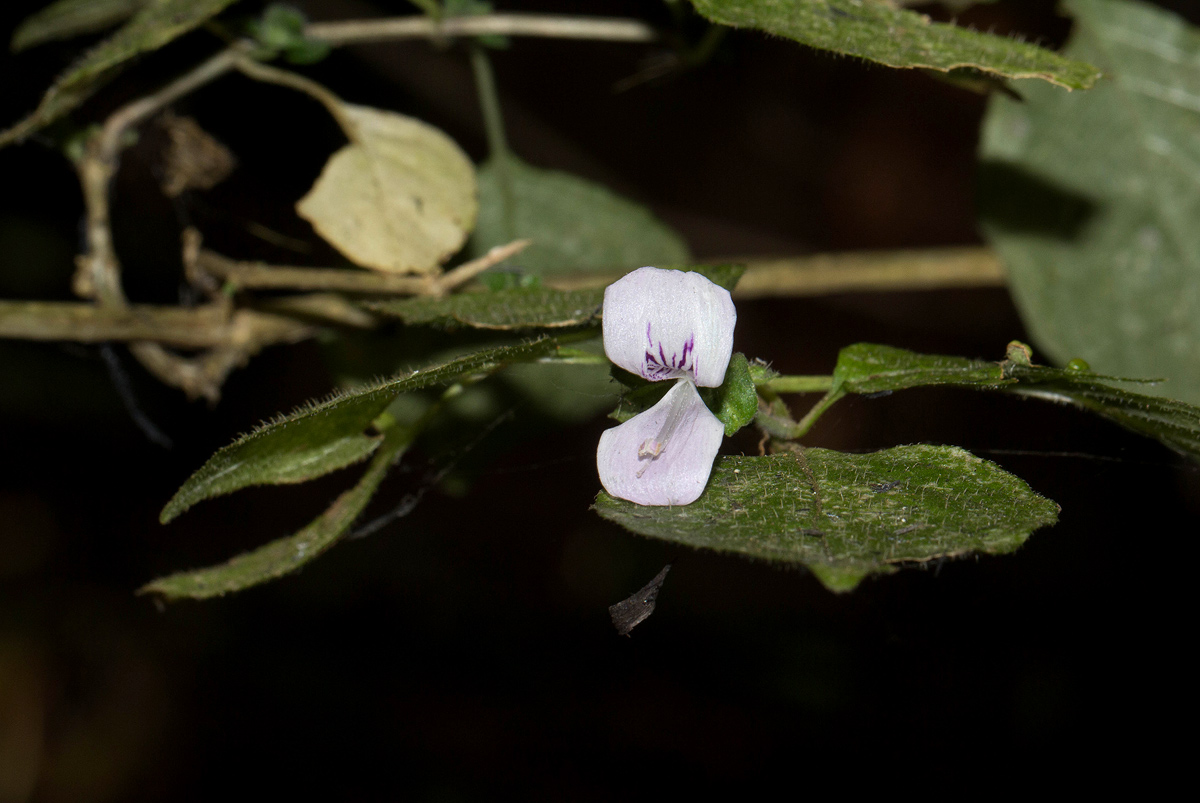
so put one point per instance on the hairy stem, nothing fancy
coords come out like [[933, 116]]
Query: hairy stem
[[799, 384], [818, 409]]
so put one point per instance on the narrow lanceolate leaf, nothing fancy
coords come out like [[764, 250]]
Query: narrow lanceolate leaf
[[287, 554], [845, 516], [1092, 199], [158, 22], [322, 437], [516, 308], [400, 198], [523, 307], [68, 18], [1174, 423], [872, 368], [576, 226], [880, 32]]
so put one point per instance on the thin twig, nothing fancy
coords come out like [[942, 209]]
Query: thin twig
[[848, 272], [99, 274], [610, 29], [469, 270], [871, 271], [120, 380], [273, 75], [261, 276], [206, 326], [325, 308]]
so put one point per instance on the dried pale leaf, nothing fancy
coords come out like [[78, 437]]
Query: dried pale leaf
[[194, 159], [401, 198]]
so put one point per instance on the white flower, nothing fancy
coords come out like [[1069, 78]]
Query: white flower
[[666, 324]]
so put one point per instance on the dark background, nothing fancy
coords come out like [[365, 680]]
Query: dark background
[[465, 651]]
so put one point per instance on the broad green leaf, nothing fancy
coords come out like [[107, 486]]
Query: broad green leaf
[[516, 308], [1092, 200], [871, 368], [400, 198], [158, 23], [880, 32], [288, 554], [576, 226], [736, 401], [845, 516], [309, 435], [68, 18]]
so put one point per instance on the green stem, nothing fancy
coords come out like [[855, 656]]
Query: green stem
[[493, 124], [799, 384], [818, 409]]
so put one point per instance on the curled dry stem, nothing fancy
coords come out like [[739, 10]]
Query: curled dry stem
[[242, 333]]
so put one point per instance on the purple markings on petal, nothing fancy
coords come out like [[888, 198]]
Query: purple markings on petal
[[656, 365], [664, 455], [665, 324]]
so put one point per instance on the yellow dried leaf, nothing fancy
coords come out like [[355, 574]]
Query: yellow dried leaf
[[400, 198]]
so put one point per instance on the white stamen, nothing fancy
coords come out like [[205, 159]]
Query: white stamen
[[651, 448]]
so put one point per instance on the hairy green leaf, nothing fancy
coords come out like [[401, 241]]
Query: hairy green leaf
[[576, 226], [845, 516], [156, 24], [68, 18], [314, 435], [528, 307], [1092, 199], [288, 554], [880, 32], [516, 308], [1174, 423], [872, 368]]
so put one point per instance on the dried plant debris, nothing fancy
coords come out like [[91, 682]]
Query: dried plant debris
[[194, 159], [632, 611]]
